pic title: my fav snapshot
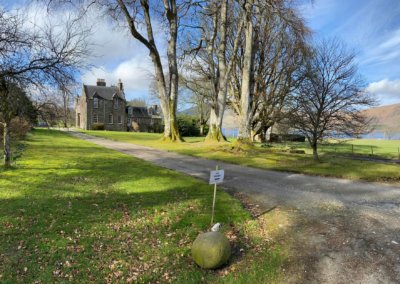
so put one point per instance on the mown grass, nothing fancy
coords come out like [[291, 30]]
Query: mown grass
[[277, 157], [364, 147], [72, 211]]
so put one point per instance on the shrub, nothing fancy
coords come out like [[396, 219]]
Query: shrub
[[19, 128], [187, 125], [98, 126]]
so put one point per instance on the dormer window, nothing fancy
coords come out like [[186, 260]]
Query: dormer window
[[95, 102], [116, 103]]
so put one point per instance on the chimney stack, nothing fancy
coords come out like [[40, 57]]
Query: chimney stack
[[101, 82], [120, 85]]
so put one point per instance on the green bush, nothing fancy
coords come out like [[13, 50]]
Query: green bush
[[98, 126], [188, 126]]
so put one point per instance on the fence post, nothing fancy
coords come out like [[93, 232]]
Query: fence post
[[352, 149], [372, 151]]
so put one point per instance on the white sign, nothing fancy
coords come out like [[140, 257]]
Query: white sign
[[216, 177]]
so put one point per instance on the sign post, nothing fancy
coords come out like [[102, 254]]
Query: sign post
[[216, 177]]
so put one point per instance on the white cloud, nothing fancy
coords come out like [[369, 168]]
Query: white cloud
[[388, 91], [135, 73], [115, 54], [387, 51]]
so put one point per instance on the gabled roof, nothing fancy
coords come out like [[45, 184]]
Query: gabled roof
[[139, 112], [106, 93]]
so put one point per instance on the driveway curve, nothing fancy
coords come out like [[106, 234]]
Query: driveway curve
[[271, 188], [346, 231]]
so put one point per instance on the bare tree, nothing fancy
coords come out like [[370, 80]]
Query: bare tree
[[280, 57], [14, 102], [218, 22], [140, 17], [35, 56], [331, 96], [260, 18], [199, 95], [269, 52]]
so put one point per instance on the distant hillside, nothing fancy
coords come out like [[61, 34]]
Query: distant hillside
[[188, 111], [385, 117]]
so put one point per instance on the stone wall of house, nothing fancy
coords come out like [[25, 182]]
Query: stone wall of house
[[145, 124], [103, 112], [81, 113]]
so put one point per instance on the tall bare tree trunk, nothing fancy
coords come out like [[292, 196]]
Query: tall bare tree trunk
[[314, 147], [224, 69], [201, 130], [168, 94], [247, 74], [172, 16], [7, 144], [216, 116], [66, 107]]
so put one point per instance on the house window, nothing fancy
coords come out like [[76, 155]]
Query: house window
[[110, 118], [130, 111], [119, 119], [95, 102], [95, 118], [116, 103]]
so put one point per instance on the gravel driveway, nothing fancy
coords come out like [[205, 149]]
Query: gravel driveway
[[348, 231]]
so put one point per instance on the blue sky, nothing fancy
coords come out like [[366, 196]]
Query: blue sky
[[370, 27]]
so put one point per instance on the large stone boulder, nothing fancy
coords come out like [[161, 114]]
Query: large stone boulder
[[211, 250]]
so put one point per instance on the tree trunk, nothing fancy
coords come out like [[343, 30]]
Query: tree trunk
[[218, 107], [314, 147], [7, 144], [246, 90], [201, 129], [263, 134], [215, 130], [168, 94], [174, 136], [172, 16]]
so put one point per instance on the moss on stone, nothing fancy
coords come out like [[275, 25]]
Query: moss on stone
[[211, 250]]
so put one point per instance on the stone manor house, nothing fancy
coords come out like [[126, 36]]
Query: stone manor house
[[102, 107]]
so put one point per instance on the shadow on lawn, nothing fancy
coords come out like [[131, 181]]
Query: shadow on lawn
[[149, 232]]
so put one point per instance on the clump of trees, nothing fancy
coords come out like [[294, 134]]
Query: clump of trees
[[17, 114], [34, 57], [253, 56]]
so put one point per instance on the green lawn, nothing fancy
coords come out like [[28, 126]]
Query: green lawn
[[73, 211], [365, 147], [278, 157]]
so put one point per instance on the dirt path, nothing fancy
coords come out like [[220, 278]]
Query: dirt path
[[345, 231]]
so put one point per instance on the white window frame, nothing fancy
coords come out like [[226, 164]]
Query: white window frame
[[119, 119]]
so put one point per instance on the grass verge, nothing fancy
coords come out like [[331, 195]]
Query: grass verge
[[74, 211], [275, 158]]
